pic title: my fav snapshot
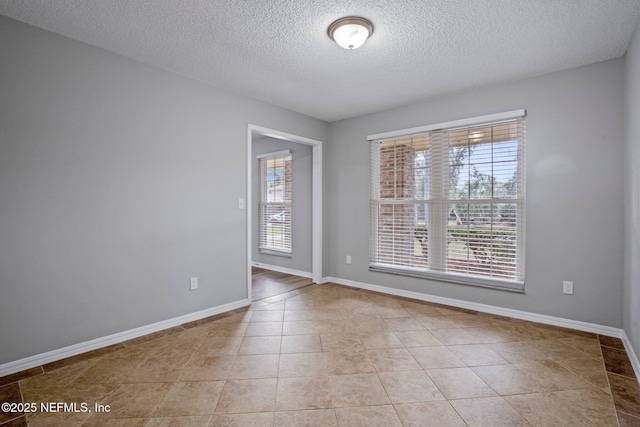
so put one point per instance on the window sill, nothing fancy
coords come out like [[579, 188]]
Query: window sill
[[275, 252], [460, 279]]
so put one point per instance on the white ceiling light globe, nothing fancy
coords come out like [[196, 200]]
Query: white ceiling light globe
[[350, 32], [351, 36]]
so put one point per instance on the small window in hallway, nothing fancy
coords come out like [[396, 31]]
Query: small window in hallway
[[275, 202]]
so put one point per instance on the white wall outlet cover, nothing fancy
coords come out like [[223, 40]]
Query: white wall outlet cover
[[193, 283], [240, 203], [567, 287]]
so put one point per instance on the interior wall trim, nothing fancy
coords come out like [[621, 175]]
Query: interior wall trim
[[285, 270], [83, 347], [492, 309], [516, 314], [632, 354], [73, 350]]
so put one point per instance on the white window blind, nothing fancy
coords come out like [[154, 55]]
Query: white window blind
[[449, 203], [275, 202]]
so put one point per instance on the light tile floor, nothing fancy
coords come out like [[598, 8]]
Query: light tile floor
[[334, 356], [268, 283]]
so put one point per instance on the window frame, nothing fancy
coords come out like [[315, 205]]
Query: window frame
[[440, 159], [286, 250]]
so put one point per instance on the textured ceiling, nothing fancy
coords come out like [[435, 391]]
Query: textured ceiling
[[278, 50]]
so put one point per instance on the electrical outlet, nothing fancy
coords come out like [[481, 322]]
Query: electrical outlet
[[193, 283], [567, 287], [348, 259], [240, 203]]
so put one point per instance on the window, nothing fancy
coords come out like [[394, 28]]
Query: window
[[447, 201], [275, 202]]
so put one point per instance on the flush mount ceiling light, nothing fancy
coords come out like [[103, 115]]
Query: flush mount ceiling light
[[350, 32]]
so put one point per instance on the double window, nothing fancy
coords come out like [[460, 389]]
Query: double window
[[447, 201], [275, 202]]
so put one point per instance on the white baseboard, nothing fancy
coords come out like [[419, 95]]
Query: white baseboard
[[517, 314], [632, 354], [285, 270], [73, 350]]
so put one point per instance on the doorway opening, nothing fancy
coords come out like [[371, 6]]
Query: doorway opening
[[272, 278]]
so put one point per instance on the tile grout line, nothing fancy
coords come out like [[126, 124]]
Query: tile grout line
[[615, 407], [360, 339], [607, 372]]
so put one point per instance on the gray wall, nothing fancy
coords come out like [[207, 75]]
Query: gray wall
[[574, 191], [118, 182], [632, 194], [300, 207]]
